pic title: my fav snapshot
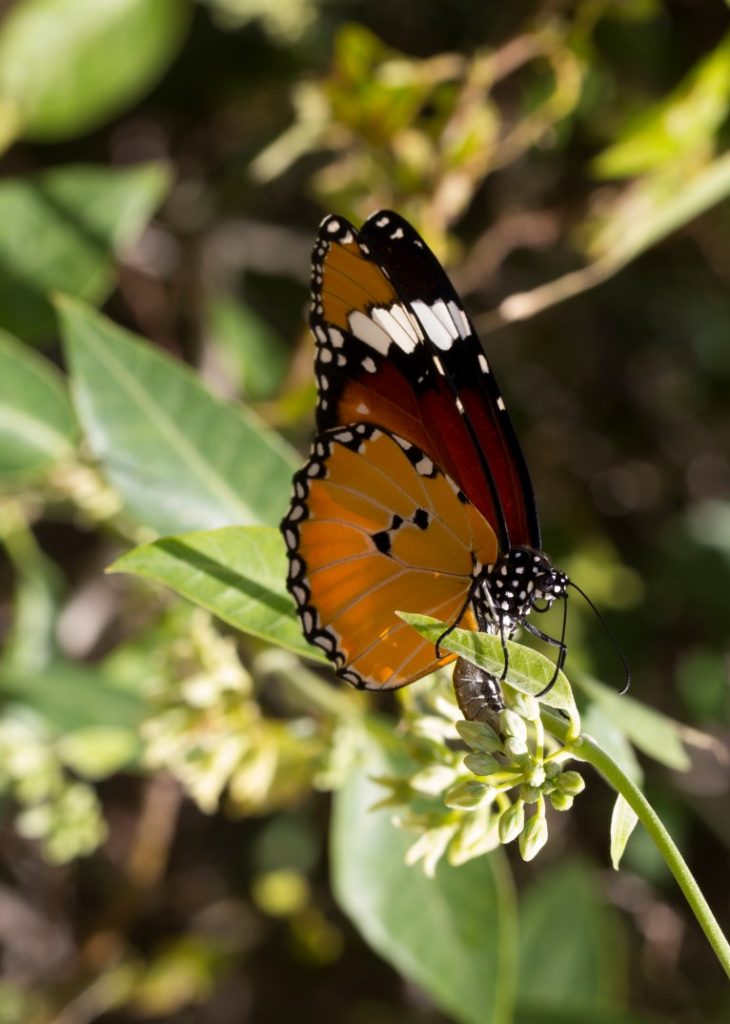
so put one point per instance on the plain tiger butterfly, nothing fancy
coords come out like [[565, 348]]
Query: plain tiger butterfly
[[416, 496]]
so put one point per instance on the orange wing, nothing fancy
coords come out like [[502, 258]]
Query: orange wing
[[376, 527]]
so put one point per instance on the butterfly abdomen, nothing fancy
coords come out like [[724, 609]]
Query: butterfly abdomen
[[478, 692]]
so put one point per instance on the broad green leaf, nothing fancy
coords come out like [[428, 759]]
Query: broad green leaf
[[61, 232], [623, 822], [528, 670], [649, 730], [72, 696], [252, 353], [572, 947], [236, 573], [611, 738], [180, 458], [67, 66], [37, 426], [454, 935]]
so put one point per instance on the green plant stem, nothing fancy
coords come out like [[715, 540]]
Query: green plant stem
[[586, 749]]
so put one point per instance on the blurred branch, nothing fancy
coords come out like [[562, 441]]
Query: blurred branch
[[636, 228]]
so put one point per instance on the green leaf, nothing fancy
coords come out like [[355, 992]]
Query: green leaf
[[67, 66], [98, 751], [679, 126], [37, 426], [611, 738], [528, 670], [61, 232], [572, 947], [236, 573], [30, 642], [598, 1015], [253, 355], [649, 730], [180, 458], [71, 696], [623, 822], [454, 935]]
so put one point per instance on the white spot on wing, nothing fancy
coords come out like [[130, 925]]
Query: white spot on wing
[[433, 326], [336, 337], [363, 409], [333, 227], [407, 321], [424, 466], [459, 317], [483, 364], [368, 331], [500, 403], [385, 319], [441, 310], [369, 364]]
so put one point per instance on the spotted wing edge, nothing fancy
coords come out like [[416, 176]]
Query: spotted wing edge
[[297, 585]]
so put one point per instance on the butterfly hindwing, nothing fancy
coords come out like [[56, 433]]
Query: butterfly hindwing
[[376, 527]]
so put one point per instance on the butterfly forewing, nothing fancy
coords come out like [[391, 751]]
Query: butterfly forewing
[[375, 528], [425, 290], [395, 348]]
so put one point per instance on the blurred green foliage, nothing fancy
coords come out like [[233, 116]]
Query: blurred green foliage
[[162, 766]]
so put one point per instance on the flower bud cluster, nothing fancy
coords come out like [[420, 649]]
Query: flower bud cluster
[[61, 813], [210, 733], [465, 804]]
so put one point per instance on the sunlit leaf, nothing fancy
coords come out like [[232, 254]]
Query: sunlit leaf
[[679, 125], [180, 458], [62, 230], [623, 822], [68, 65], [237, 573], [528, 670], [454, 935], [37, 426]]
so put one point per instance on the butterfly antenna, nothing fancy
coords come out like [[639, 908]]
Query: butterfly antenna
[[562, 649], [609, 634]]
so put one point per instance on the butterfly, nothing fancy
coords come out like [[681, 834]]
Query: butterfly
[[416, 496]]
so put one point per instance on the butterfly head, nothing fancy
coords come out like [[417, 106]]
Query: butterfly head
[[520, 581], [549, 583]]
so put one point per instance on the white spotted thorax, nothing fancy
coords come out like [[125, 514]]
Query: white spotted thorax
[[508, 590]]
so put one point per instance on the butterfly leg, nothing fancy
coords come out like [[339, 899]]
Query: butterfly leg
[[560, 644], [505, 652]]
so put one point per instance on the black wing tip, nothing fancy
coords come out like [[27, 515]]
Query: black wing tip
[[334, 228]]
